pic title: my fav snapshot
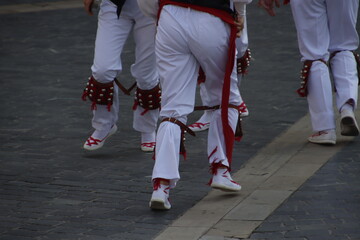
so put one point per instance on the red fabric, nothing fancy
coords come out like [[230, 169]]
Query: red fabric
[[156, 182], [99, 93], [201, 77], [214, 170], [286, 2], [238, 139], [214, 167], [134, 107], [228, 132], [212, 153], [227, 18], [148, 99], [244, 62], [304, 77]]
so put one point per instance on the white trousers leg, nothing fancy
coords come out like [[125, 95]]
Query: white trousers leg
[[147, 122], [111, 37], [167, 153], [183, 36], [342, 17], [344, 70], [205, 96], [242, 44], [318, 31], [144, 69], [319, 98], [344, 38]]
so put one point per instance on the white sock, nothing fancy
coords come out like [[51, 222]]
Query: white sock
[[148, 137], [100, 134]]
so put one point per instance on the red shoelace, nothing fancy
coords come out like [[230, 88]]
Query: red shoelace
[[92, 141], [319, 133], [242, 107], [148, 144], [198, 125]]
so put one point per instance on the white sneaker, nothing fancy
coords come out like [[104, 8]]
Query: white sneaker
[[203, 123], [324, 137], [348, 124], [223, 181], [94, 143], [160, 198], [244, 111], [148, 146]]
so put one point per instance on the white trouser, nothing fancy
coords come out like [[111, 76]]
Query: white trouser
[[111, 36], [324, 27], [242, 44], [187, 39]]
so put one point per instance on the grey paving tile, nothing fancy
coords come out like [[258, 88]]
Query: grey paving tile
[[51, 189]]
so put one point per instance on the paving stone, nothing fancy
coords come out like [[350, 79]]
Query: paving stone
[[44, 124], [60, 236], [13, 237], [276, 235], [23, 233], [275, 227], [323, 213]]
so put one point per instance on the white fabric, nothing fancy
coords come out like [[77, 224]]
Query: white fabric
[[148, 137], [183, 37], [240, 8], [242, 44], [323, 27], [344, 70], [111, 36], [149, 7], [242, 1]]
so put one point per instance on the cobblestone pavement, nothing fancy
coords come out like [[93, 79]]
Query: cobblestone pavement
[[325, 207], [52, 189]]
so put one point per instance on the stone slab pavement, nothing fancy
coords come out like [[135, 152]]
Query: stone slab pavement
[[52, 189]]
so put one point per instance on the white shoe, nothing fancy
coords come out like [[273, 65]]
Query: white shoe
[[223, 181], [348, 124], [203, 123], [94, 144], [148, 146], [160, 198], [324, 137], [199, 126], [244, 111]]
